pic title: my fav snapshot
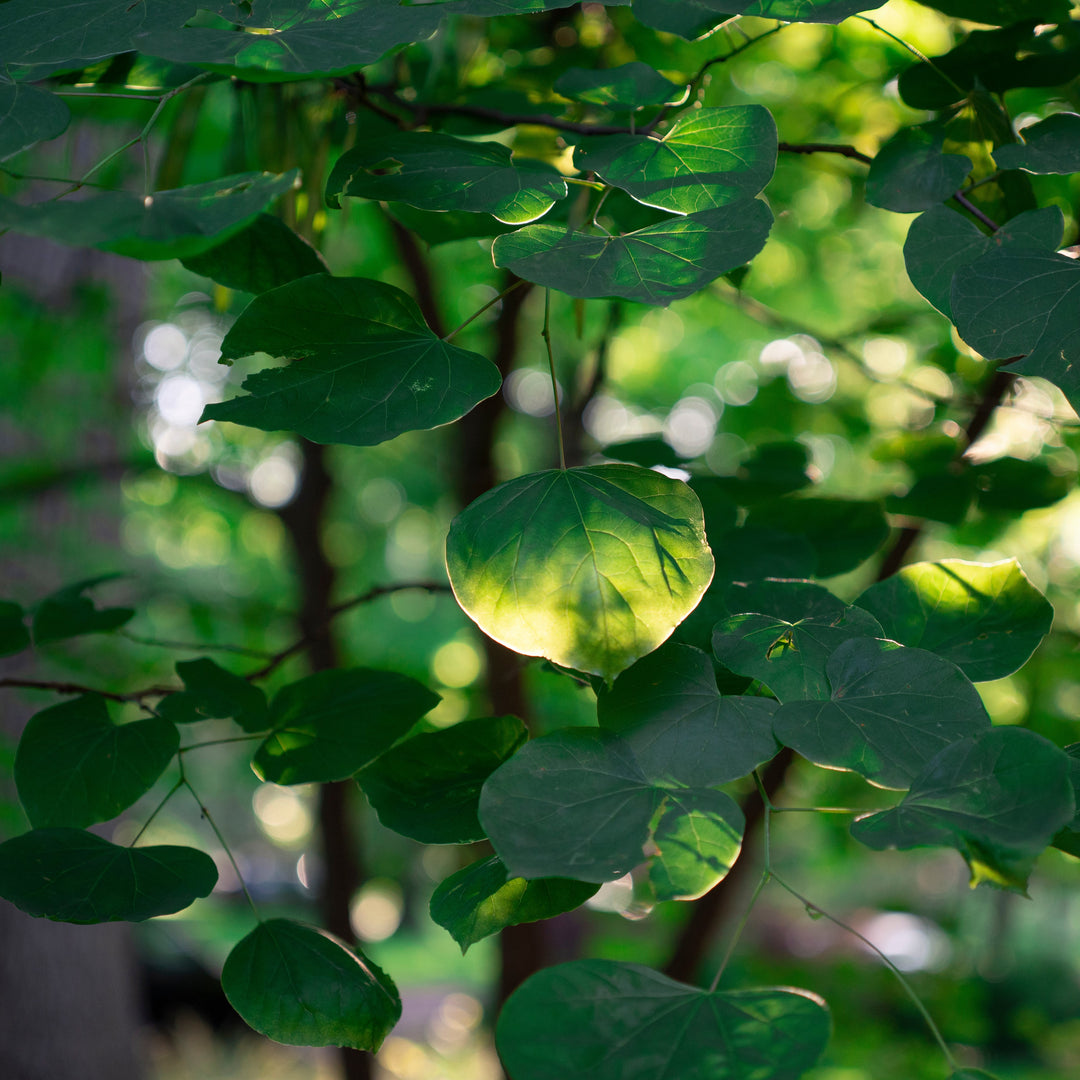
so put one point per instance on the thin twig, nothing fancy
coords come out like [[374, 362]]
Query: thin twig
[[491, 303], [972, 209], [78, 688], [825, 148], [545, 333]]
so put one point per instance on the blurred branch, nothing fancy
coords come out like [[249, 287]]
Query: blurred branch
[[79, 688], [825, 148]]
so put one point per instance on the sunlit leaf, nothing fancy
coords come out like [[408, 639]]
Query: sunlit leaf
[[628, 86], [67, 613], [615, 1021], [913, 172], [653, 265], [211, 692], [1050, 146], [302, 986], [75, 767], [28, 115], [482, 899], [590, 567], [998, 798], [891, 711], [74, 876]]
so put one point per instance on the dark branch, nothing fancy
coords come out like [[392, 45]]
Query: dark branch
[[825, 148]]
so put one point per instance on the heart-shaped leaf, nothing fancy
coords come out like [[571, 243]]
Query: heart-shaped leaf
[[331, 724], [67, 613], [211, 692], [891, 711], [1050, 146], [28, 115], [74, 876], [590, 567], [363, 365], [998, 798], [986, 618], [913, 172], [75, 767], [482, 899], [615, 1021], [628, 86], [302, 986]]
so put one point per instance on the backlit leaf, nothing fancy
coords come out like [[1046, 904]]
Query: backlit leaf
[[67, 613], [211, 692], [913, 172], [1050, 146], [628, 86], [28, 115], [590, 567]]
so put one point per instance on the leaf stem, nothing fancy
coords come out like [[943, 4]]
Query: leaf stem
[[491, 303], [221, 742], [914, 52], [546, 335], [168, 795], [766, 875], [194, 646]]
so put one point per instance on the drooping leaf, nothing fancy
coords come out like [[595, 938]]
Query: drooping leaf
[[438, 172], [260, 257], [942, 241], [591, 567], [172, 224], [211, 692], [986, 618], [73, 876], [653, 265], [28, 115], [1050, 146], [14, 637], [913, 172], [616, 1021], [304, 987], [331, 724], [785, 633], [75, 767], [67, 613], [998, 798], [628, 86], [668, 704], [709, 158], [579, 803], [482, 899], [428, 788], [692, 19], [1068, 837], [891, 711], [364, 366]]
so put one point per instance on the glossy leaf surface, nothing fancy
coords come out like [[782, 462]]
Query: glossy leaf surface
[[1050, 146], [29, 115], [211, 692], [68, 613], [590, 567]]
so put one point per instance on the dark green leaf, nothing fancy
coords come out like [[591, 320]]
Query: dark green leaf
[[1010, 485], [1050, 146], [695, 18], [14, 637], [28, 115], [1068, 838], [986, 618], [749, 553], [628, 86], [653, 265], [647, 452], [438, 172], [668, 704], [166, 225], [709, 158], [446, 227], [892, 710], [74, 876], [428, 788], [945, 497], [67, 613], [590, 567], [614, 1021], [330, 725], [998, 798], [913, 172], [1003, 13], [364, 367], [772, 470], [211, 692], [481, 900], [75, 767], [301, 986], [260, 257], [785, 633]]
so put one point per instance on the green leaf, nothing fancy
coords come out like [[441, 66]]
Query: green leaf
[[1011, 302], [67, 613], [445, 227], [614, 1021], [998, 798], [628, 86], [260, 257], [785, 633], [14, 637], [912, 171], [302, 986], [693, 19], [1068, 838], [1002, 13], [580, 803], [709, 158], [590, 567], [941, 241], [647, 452], [891, 711], [28, 115], [211, 692], [772, 470], [842, 532], [364, 367], [1050, 146], [75, 767], [74, 876], [653, 265], [986, 618], [166, 225], [438, 172], [482, 899], [330, 725], [428, 788], [1011, 485], [669, 700]]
